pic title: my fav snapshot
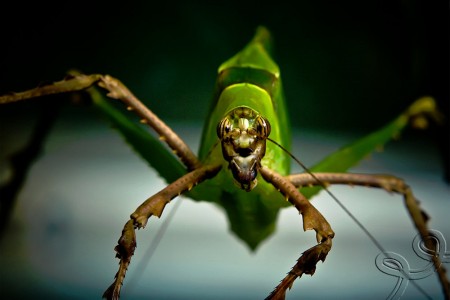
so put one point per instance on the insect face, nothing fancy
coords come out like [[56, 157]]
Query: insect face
[[243, 134]]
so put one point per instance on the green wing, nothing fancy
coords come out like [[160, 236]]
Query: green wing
[[417, 114]]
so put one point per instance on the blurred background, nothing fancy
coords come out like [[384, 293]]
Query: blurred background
[[348, 67]]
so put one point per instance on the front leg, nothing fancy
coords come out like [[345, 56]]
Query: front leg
[[390, 184], [117, 90], [312, 219], [152, 206]]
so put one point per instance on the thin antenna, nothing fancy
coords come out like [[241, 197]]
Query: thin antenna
[[360, 225]]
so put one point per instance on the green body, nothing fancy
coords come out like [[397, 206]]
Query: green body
[[250, 78]]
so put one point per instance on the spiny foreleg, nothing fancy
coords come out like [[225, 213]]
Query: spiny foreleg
[[390, 184], [152, 206], [312, 219]]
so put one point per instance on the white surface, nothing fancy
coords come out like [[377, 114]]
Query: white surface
[[81, 192]]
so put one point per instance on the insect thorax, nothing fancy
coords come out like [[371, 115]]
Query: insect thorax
[[243, 133]]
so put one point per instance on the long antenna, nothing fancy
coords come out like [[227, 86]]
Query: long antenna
[[349, 213]]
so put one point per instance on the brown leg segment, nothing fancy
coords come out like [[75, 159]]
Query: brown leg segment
[[390, 184], [312, 219], [155, 204], [152, 206], [116, 90], [119, 91]]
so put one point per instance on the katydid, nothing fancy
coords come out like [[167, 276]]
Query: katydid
[[243, 163]]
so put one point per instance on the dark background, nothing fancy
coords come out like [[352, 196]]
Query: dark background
[[346, 65]]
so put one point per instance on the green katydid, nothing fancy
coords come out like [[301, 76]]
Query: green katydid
[[242, 165]]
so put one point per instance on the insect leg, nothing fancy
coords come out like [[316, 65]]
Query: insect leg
[[312, 219], [117, 90], [152, 206], [390, 184], [70, 84]]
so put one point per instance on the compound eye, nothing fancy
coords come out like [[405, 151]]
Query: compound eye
[[262, 127], [223, 128]]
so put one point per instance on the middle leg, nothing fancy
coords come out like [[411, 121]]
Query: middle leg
[[312, 219], [390, 184]]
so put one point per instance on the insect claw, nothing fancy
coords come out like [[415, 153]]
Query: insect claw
[[124, 251], [143, 121], [129, 108]]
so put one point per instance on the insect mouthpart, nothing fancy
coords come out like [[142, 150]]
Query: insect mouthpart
[[243, 133], [244, 171]]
